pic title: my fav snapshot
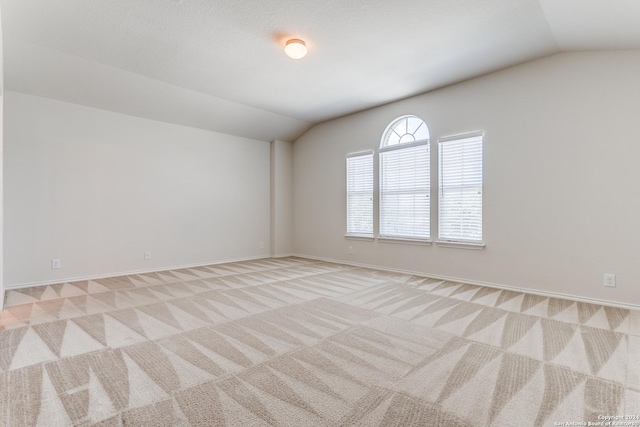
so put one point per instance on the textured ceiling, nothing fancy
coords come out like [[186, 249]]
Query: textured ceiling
[[207, 63]]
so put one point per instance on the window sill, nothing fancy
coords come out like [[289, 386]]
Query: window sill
[[359, 237], [419, 242], [461, 245]]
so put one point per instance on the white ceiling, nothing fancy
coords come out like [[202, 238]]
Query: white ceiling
[[219, 65]]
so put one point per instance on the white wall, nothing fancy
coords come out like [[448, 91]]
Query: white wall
[[561, 177], [1, 163], [281, 198], [97, 189]]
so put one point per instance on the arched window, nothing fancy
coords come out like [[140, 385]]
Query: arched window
[[404, 130], [405, 181]]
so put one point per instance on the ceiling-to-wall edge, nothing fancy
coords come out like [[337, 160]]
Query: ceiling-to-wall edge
[[460, 83], [47, 73]]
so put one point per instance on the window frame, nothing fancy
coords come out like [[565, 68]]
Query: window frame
[[399, 146], [355, 234], [460, 242], [390, 144]]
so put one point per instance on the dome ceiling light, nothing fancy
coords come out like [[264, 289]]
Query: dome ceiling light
[[295, 49]]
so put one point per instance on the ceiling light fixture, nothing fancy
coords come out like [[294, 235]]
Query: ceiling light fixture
[[295, 49]]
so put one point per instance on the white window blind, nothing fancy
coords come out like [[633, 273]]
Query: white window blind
[[460, 192], [360, 194], [404, 191]]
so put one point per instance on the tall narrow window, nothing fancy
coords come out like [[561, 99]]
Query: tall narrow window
[[405, 180], [460, 188], [360, 194]]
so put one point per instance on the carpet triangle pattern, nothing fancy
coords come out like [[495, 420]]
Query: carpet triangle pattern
[[297, 342]]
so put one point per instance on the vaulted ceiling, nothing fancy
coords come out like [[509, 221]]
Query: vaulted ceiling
[[219, 65]]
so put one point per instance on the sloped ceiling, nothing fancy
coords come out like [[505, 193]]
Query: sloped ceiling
[[219, 65]]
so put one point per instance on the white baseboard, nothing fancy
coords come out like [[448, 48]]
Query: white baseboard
[[126, 273], [338, 261], [479, 283], [281, 255]]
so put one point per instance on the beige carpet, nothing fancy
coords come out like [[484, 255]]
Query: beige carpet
[[294, 342]]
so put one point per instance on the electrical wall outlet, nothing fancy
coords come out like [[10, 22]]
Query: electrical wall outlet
[[350, 250], [261, 245], [610, 280], [147, 255], [55, 263]]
